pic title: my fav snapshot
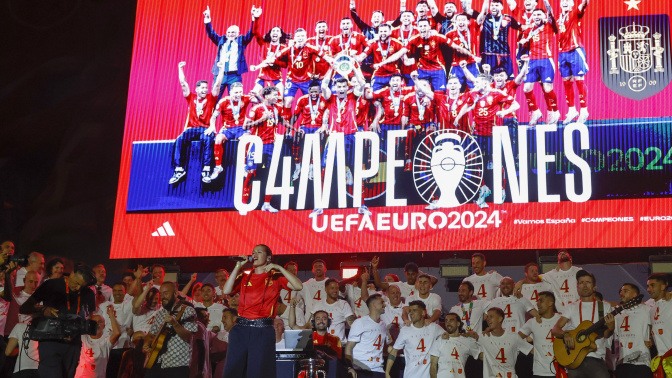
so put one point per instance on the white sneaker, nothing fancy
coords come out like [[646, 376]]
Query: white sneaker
[[205, 175], [501, 201], [432, 206], [535, 117], [348, 177], [364, 210], [484, 192], [583, 116], [297, 172], [267, 207], [310, 173], [571, 114], [215, 172], [316, 212], [552, 117]]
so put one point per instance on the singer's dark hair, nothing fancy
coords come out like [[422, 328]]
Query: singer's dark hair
[[266, 249]]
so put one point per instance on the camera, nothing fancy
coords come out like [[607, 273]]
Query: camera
[[20, 260], [64, 327]]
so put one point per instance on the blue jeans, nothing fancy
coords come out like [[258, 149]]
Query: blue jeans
[[182, 141]]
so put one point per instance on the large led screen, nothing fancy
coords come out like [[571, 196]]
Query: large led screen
[[452, 126]]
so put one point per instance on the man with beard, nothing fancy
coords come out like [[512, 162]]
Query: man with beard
[[449, 354], [514, 308], [213, 309], [321, 42], [448, 106], [339, 310], [541, 334], [123, 312], [432, 302], [485, 283], [445, 20], [379, 50], [464, 40], [61, 296], [158, 274], [495, 27], [313, 289], [563, 280], [393, 311], [633, 335], [200, 105], [232, 108], [271, 44], [487, 104], [530, 287], [371, 32], [470, 310], [587, 308], [368, 335], [416, 340], [499, 347], [175, 359], [263, 119], [661, 319], [348, 42], [308, 111], [407, 288], [417, 118], [321, 336], [403, 34]]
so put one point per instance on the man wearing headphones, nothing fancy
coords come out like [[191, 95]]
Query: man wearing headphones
[[320, 322], [254, 336], [62, 296]]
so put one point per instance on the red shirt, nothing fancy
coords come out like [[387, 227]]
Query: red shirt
[[404, 37], [348, 122], [432, 22], [412, 111], [271, 72], [380, 51], [199, 111], [362, 112], [333, 342], [354, 44], [447, 109], [469, 39], [569, 30], [320, 66], [540, 44], [509, 89], [392, 115], [429, 51], [299, 62], [226, 107], [266, 130], [259, 295], [303, 111], [486, 108]]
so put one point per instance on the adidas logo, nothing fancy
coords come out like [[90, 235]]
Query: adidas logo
[[548, 79], [164, 230], [581, 72]]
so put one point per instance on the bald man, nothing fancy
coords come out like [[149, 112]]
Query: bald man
[[35, 264], [100, 288], [17, 297]]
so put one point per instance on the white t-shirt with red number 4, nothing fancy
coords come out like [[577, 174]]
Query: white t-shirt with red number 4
[[661, 325], [543, 344], [354, 296], [564, 286], [514, 311], [500, 354], [313, 294], [453, 354], [531, 291], [93, 357], [370, 338], [416, 344], [631, 333], [432, 302], [485, 286]]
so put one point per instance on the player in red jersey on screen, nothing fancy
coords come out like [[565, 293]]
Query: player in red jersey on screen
[[308, 112], [271, 44], [418, 118], [348, 42], [464, 40], [542, 67], [321, 42], [448, 106], [382, 48], [572, 57], [486, 104], [200, 105], [263, 121], [403, 34], [232, 108]]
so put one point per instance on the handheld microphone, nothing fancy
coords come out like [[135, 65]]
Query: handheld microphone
[[240, 258]]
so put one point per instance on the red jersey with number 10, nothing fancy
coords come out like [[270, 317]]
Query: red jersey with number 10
[[299, 62], [569, 30], [259, 295]]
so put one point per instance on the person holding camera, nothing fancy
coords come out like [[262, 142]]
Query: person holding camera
[[63, 298]]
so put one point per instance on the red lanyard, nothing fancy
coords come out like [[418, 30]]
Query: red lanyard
[[581, 313], [67, 293]]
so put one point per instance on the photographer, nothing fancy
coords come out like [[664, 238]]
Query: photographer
[[62, 296]]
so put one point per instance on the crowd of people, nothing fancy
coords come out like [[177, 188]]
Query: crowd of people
[[499, 327], [422, 72]]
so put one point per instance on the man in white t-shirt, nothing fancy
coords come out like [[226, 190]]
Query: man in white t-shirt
[[470, 310], [514, 308], [35, 264], [485, 284], [221, 275], [563, 281], [28, 360], [123, 312], [339, 310], [432, 301], [354, 293], [416, 341], [499, 347], [394, 309], [449, 354], [542, 335], [286, 296], [18, 296], [587, 308], [96, 349], [367, 339], [633, 335], [145, 307], [661, 318], [408, 288], [530, 287], [214, 309], [313, 289]]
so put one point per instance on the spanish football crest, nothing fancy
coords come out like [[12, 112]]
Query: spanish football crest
[[635, 54]]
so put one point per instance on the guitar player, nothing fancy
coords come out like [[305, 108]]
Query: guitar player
[[587, 308], [174, 359]]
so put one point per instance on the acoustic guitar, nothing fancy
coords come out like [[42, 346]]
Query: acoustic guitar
[[161, 340], [584, 338]]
